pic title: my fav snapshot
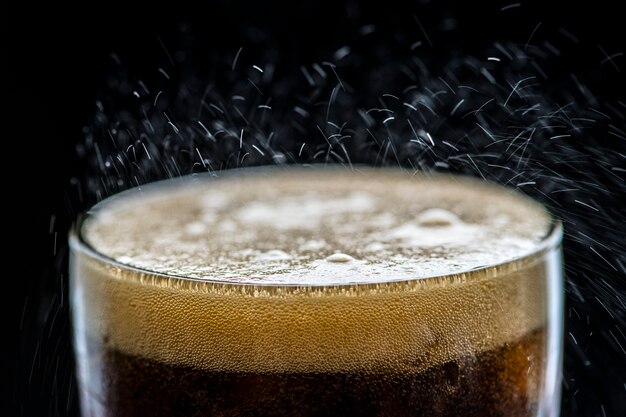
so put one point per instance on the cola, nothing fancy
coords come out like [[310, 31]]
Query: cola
[[317, 292]]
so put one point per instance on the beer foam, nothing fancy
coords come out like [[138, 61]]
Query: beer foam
[[425, 269], [283, 228]]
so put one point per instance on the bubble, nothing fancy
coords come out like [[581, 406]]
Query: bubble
[[375, 247], [437, 217], [313, 245], [273, 255], [339, 258], [195, 228]]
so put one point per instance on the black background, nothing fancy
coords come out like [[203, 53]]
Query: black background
[[57, 59]]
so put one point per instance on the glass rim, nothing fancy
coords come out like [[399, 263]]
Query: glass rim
[[551, 240]]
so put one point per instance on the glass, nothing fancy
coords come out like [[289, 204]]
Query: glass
[[303, 372]]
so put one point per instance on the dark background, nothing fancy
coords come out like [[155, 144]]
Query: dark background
[[56, 61]]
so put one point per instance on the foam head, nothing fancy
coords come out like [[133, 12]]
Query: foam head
[[298, 270], [313, 227]]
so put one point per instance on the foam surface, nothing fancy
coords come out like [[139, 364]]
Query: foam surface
[[317, 227]]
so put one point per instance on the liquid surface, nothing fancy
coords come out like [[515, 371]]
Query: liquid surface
[[317, 227]]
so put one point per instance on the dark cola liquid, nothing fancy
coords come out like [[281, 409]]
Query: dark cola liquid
[[501, 382]]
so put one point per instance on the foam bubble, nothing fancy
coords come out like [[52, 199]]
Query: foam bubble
[[437, 217], [313, 245], [273, 255], [339, 258]]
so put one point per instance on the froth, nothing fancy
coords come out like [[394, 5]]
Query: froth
[[378, 234], [285, 227]]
